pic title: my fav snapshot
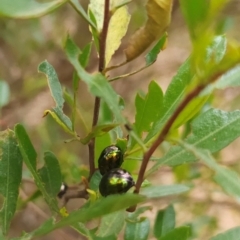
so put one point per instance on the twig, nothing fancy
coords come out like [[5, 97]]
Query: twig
[[129, 74], [101, 67], [115, 66]]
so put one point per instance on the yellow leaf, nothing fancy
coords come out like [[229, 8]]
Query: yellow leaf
[[159, 17], [116, 31], [97, 8]]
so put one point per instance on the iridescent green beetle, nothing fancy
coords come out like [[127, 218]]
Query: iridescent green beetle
[[110, 158], [116, 181]]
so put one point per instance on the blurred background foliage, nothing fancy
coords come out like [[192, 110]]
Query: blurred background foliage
[[24, 96]]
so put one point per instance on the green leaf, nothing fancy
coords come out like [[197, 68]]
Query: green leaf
[[95, 180], [133, 217], [194, 107], [78, 7], [172, 97], [227, 178], [162, 191], [212, 130], [97, 84], [99, 208], [98, 131], [101, 143], [29, 156], [4, 93], [195, 13], [10, 176], [51, 175], [27, 150], [97, 10], [148, 108], [137, 231], [229, 79], [53, 83], [28, 8], [94, 31], [84, 56], [217, 49], [113, 237], [179, 84], [82, 229], [63, 120], [151, 57], [57, 94], [111, 224], [117, 29], [231, 234], [164, 222], [180, 233]]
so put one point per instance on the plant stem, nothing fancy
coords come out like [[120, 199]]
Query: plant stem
[[147, 155], [101, 67], [163, 134]]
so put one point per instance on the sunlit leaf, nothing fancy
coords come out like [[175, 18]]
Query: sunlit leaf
[[117, 29]]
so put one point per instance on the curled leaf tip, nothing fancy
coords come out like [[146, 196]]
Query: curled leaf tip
[[159, 17]]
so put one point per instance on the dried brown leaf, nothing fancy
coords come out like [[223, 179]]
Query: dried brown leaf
[[159, 17]]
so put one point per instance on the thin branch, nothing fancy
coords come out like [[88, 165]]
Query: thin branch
[[115, 66], [147, 155], [101, 67], [129, 74]]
